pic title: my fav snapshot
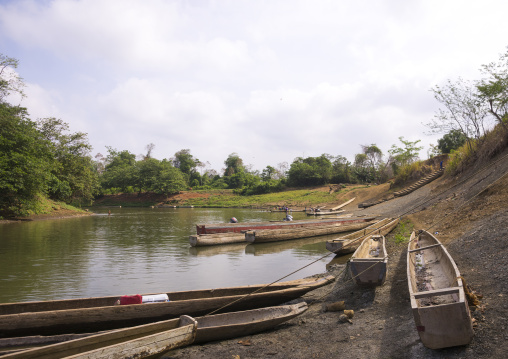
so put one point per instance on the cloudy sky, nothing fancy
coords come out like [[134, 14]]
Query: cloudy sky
[[269, 80]]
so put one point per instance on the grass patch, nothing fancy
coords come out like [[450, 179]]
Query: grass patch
[[403, 232]]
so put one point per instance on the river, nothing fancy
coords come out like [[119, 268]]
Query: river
[[142, 250]]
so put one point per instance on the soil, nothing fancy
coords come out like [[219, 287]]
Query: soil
[[469, 215]]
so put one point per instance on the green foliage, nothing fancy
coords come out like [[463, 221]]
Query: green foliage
[[234, 164], [403, 231], [25, 157], [451, 141], [185, 162], [310, 171], [10, 82], [403, 156]]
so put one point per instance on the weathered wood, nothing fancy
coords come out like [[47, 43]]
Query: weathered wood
[[438, 302], [343, 204], [325, 213], [238, 324], [216, 239], [78, 315], [263, 236], [245, 226], [135, 342], [424, 248], [350, 242], [369, 262]]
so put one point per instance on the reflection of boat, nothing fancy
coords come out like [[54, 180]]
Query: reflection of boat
[[244, 226], [216, 250], [276, 247], [133, 342], [237, 324], [349, 242], [196, 240], [369, 261], [101, 313], [263, 236], [338, 261], [439, 305]]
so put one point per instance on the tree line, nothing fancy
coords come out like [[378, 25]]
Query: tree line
[[44, 159]]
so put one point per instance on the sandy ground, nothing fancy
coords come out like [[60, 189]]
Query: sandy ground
[[469, 216]]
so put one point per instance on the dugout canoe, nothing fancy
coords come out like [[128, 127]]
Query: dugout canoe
[[245, 226], [343, 204], [350, 242], [325, 213], [101, 313], [197, 240], [369, 262], [436, 291], [239, 324], [133, 342], [264, 236]]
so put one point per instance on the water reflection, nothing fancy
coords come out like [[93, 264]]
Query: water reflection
[[139, 251]]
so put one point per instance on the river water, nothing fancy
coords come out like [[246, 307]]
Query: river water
[[142, 250]]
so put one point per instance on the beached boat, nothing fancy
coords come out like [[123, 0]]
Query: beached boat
[[238, 324], [264, 236], [438, 301], [343, 204], [350, 242], [369, 261], [197, 240], [101, 313], [325, 213], [245, 226], [133, 342]]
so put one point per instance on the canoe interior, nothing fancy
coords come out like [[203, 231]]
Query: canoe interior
[[133, 342], [369, 262], [438, 302]]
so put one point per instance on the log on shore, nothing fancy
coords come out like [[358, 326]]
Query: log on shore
[[263, 236], [216, 239]]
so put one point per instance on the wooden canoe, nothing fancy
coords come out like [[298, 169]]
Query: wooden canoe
[[369, 262], [197, 240], [350, 242], [343, 204], [134, 342], [325, 213], [438, 302], [264, 236], [245, 226], [238, 324], [101, 313]]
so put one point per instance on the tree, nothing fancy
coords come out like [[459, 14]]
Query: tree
[[234, 164], [268, 173], [25, 156], [494, 89], [169, 179], [119, 171], [185, 162], [9, 80], [464, 109], [341, 170], [404, 156], [310, 171], [451, 141]]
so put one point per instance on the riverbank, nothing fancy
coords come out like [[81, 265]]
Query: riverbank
[[469, 215]]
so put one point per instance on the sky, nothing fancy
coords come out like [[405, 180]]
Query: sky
[[268, 80]]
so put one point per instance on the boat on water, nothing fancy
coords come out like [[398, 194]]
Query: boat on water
[[369, 262], [436, 291], [133, 342], [350, 242], [264, 236], [159, 337], [245, 226], [197, 240], [101, 313]]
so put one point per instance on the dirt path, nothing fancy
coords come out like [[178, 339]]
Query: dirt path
[[383, 326]]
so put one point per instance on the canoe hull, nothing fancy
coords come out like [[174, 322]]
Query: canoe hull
[[239, 324], [239, 227], [438, 301], [126, 343], [368, 269], [110, 316]]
